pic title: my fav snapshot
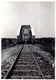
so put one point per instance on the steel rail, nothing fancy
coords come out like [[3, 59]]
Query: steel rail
[[37, 65], [10, 69]]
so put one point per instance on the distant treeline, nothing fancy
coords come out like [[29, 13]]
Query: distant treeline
[[48, 44], [8, 42], [47, 41]]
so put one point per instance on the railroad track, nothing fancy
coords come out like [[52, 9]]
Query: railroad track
[[27, 66]]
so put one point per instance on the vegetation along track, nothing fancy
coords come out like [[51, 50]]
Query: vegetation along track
[[27, 66], [45, 62]]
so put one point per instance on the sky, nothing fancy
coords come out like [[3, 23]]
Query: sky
[[41, 15]]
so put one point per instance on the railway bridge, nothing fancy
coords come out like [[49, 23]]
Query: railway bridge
[[27, 60]]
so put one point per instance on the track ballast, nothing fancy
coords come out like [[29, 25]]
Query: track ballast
[[27, 66]]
